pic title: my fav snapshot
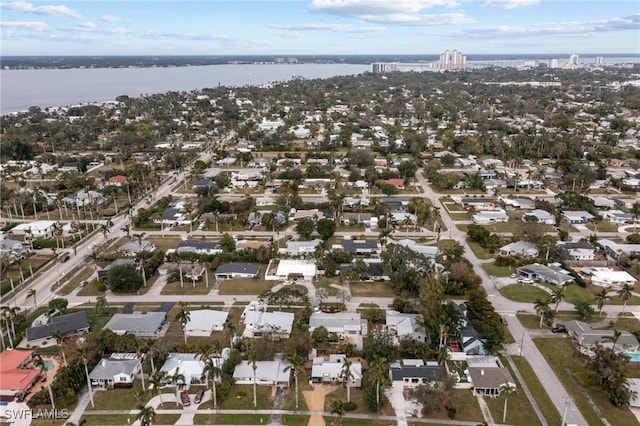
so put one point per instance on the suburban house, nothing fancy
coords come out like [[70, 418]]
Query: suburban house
[[204, 321], [341, 322], [274, 325], [117, 370], [478, 203], [609, 278], [617, 216], [236, 270], [134, 247], [198, 247], [73, 323], [171, 217], [488, 217], [427, 251], [634, 387], [11, 248], [266, 373], [39, 229], [581, 250], [541, 216], [587, 338], [520, 203], [301, 248], [405, 326], [519, 249], [16, 378], [616, 250], [103, 273], [552, 273], [331, 370], [190, 366], [488, 375], [469, 340], [140, 324], [577, 217], [360, 247], [292, 268], [414, 372]]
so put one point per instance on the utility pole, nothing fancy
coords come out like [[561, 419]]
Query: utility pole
[[567, 402]]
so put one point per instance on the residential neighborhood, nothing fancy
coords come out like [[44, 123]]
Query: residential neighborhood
[[419, 247]]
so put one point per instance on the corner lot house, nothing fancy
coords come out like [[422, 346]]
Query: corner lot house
[[73, 323], [38, 229], [332, 370], [203, 322], [609, 278], [414, 372], [551, 273], [140, 324], [190, 366], [488, 375], [117, 370], [236, 270], [266, 373], [16, 378], [586, 338]]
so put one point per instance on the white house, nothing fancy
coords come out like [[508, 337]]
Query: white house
[[296, 268], [275, 325], [609, 278], [117, 370], [427, 251], [340, 323], [190, 366], [39, 229], [580, 250], [199, 247], [332, 370], [266, 373], [542, 216], [519, 248], [577, 216], [134, 247], [405, 326], [488, 217], [204, 321], [301, 248]]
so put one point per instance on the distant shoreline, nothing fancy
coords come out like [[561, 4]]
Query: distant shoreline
[[158, 61]]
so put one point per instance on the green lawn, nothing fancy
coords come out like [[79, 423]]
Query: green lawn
[[165, 243], [356, 396], [498, 271], [372, 289], [325, 283], [602, 227], [97, 322], [480, 252], [519, 410], [241, 287], [561, 357], [529, 321], [523, 293], [109, 419], [119, 399], [90, 290], [175, 288], [241, 398], [71, 285], [537, 390]]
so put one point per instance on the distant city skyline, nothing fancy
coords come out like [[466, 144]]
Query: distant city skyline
[[322, 27]]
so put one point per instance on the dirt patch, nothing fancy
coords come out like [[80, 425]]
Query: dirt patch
[[315, 402]]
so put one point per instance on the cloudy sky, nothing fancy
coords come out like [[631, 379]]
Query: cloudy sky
[[238, 27]]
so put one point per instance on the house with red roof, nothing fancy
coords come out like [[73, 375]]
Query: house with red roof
[[117, 180], [397, 182], [16, 378]]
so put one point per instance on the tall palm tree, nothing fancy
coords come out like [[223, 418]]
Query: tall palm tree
[[230, 331], [32, 293], [60, 340], [542, 307], [557, 296], [296, 365], [253, 358], [613, 338], [127, 230], [212, 370], [146, 415], [183, 318], [151, 347], [625, 294], [347, 375], [378, 372], [158, 378], [507, 389], [83, 352], [176, 379], [600, 299]]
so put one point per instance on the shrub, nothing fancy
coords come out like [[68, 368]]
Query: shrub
[[350, 406]]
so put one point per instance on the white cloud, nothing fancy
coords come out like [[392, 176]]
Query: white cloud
[[421, 20], [359, 8], [509, 4], [571, 28], [49, 10], [328, 27], [90, 27], [185, 36], [30, 25], [110, 18]]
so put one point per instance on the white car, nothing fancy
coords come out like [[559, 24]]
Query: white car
[[525, 280]]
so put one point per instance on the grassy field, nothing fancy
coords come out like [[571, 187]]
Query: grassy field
[[480, 252], [602, 227], [561, 357], [109, 419], [90, 290], [498, 271], [468, 407], [523, 293], [241, 398], [175, 288], [537, 390], [72, 284], [165, 243], [519, 410], [529, 321], [340, 393], [119, 399], [241, 287], [325, 283], [370, 289]]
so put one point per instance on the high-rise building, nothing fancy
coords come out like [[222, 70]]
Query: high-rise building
[[452, 61], [574, 60]]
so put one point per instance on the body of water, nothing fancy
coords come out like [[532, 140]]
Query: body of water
[[21, 89]]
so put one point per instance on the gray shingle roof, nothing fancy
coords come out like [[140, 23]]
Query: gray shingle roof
[[68, 323]]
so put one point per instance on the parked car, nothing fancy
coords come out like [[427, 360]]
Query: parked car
[[503, 320], [559, 328], [525, 281], [65, 257], [184, 397], [198, 396], [84, 283]]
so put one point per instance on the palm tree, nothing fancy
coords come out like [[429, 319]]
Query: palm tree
[[253, 358], [211, 369], [337, 408], [625, 294], [146, 415], [613, 338], [101, 305], [557, 296], [127, 230], [183, 317], [32, 293], [296, 365], [230, 331], [542, 307], [378, 373], [60, 340], [83, 352], [506, 388], [176, 379], [347, 375], [600, 299], [151, 347], [158, 378]]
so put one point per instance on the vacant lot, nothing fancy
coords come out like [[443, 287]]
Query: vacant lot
[[523, 293], [371, 289]]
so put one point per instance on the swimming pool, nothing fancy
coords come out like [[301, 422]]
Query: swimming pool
[[634, 356], [48, 365]]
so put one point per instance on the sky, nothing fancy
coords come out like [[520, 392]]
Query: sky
[[318, 27]]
